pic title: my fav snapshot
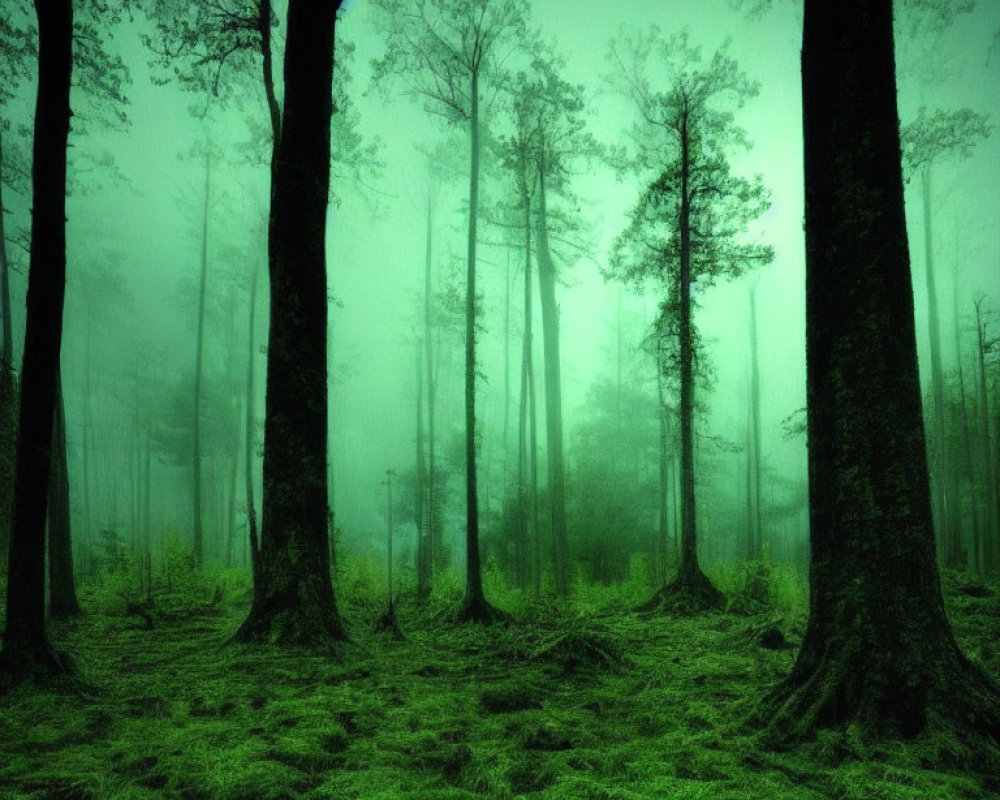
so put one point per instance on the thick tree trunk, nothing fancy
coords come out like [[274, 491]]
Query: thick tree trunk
[[553, 394], [878, 655], [294, 601], [62, 586], [26, 648]]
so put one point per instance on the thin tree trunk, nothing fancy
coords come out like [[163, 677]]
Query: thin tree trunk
[[755, 437], [420, 482], [939, 465], [474, 607], [526, 491], [553, 393], [26, 648], [249, 435], [991, 557], [433, 544], [199, 531], [62, 586]]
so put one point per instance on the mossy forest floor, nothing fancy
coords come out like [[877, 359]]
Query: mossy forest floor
[[582, 700]]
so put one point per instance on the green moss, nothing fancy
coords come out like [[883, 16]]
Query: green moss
[[564, 704]]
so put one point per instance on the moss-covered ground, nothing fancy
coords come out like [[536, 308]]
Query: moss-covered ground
[[581, 700]]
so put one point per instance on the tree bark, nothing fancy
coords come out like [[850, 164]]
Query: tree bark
[[26, 648], [294, 601], [62, 586], [878, 655]]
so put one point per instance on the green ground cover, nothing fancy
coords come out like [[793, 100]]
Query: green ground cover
[[580, 700]]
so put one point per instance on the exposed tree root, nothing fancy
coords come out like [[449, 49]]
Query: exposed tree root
[[947, 704], [691, 592], [294, 626], [33, 663], [479, 611]]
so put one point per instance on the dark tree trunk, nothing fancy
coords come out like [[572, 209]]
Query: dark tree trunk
[[878, 654], [553, 394], [294, 601], [474, 608], [248, 435], [62, 586], [26, 648]]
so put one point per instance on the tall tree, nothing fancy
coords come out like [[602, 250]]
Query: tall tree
[[878, 654], [26, 647], [560, 141], [445, 51], [687, 226], [294, 603]]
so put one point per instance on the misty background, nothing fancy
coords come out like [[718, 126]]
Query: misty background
[[134, 238]]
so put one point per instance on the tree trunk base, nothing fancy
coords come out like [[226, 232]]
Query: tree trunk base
[[948, 702], [42, 664], [479, 611], [691, 592], [388, 623], [294, 626], [65, 609]]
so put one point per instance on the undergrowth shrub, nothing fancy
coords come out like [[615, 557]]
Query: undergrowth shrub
[[759, 587]]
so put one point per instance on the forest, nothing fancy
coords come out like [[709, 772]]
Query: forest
[[445, 399]]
